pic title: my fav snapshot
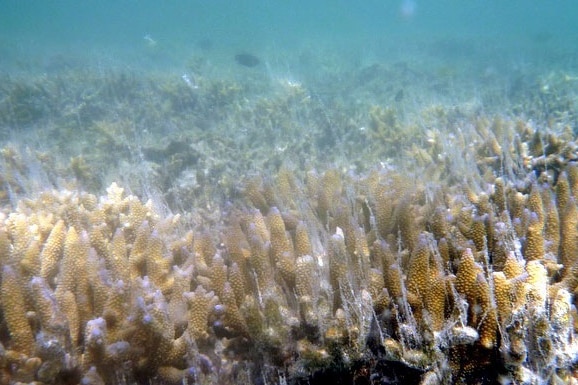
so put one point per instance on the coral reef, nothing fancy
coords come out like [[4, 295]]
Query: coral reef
[[438, 247], [377, 278]]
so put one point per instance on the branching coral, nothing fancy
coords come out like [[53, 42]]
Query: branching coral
[[380, 275]]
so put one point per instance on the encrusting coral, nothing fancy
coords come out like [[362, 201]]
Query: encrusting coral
[[380, 276]]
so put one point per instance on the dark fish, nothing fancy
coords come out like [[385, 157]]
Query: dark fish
[[247, 60]]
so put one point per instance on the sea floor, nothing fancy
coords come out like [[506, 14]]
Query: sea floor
[[365, 162], [185, 128]]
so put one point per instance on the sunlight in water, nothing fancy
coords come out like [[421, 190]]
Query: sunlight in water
[[407, 8]]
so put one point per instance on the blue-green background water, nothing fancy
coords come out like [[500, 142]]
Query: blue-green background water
[[32, 33]]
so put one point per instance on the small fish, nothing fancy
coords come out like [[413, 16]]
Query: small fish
[[247, 60]]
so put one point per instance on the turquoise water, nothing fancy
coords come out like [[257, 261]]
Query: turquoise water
[[36, 32]]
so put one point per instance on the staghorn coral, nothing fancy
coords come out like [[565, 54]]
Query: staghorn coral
[[377, 275]]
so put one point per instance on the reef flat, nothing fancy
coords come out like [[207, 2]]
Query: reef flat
[[255, 229]]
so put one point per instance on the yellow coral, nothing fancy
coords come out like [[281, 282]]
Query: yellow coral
[[200, 306], [569, 235], [471, 282], [340, 268], [14, 305], [281, 248]]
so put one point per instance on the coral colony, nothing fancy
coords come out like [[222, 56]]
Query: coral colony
[[378, 277], [444, 252]]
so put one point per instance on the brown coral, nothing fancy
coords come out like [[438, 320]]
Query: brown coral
[[301, 277]]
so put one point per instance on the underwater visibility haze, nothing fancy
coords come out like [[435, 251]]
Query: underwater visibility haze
[[288, 192]]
